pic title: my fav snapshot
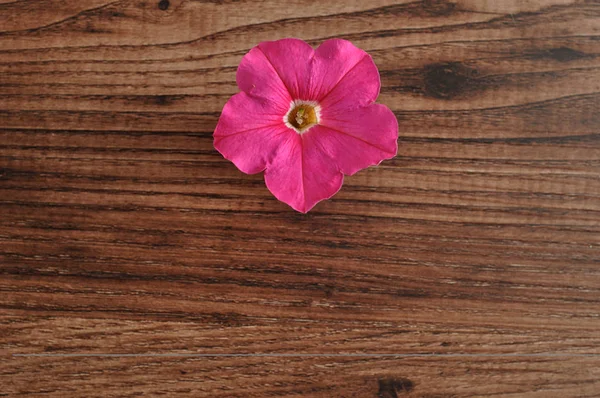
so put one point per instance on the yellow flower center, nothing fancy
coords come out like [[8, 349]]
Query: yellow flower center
[[302, 116]]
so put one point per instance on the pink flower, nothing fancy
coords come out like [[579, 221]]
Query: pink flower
[[306, 117]]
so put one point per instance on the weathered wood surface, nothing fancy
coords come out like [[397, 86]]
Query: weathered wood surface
[[122, 231]]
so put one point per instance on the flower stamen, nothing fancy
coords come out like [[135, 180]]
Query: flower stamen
[[302, 115]]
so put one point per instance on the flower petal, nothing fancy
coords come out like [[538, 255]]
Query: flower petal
[[275, 67], [257, 77], [291, 59], [344, 76], [301, 175], [358, 138], [333, 60], [250, 131]]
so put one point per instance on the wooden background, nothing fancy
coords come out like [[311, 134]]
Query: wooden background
[[122, 231]]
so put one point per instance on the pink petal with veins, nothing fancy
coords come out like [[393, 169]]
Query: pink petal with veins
[[250, 132], [358, 138], [342, 71], [290, 59], [302, 175]]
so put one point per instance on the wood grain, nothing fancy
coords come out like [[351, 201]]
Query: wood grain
[[122, 231]]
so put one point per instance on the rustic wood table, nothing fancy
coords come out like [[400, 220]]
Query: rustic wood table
[[136, 261]]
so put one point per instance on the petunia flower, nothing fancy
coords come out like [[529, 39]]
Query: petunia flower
[[307, 118]]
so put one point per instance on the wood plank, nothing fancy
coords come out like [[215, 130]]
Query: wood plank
[[466, 266]]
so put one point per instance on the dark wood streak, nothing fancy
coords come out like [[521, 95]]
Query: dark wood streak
[[122, 230]]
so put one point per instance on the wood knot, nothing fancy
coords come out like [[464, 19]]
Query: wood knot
[[438, 7], [448, 80], [164, 4], [565, 54], [391, 387], [162, 100]]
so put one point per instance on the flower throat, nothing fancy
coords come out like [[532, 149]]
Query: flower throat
[[302, 116]]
